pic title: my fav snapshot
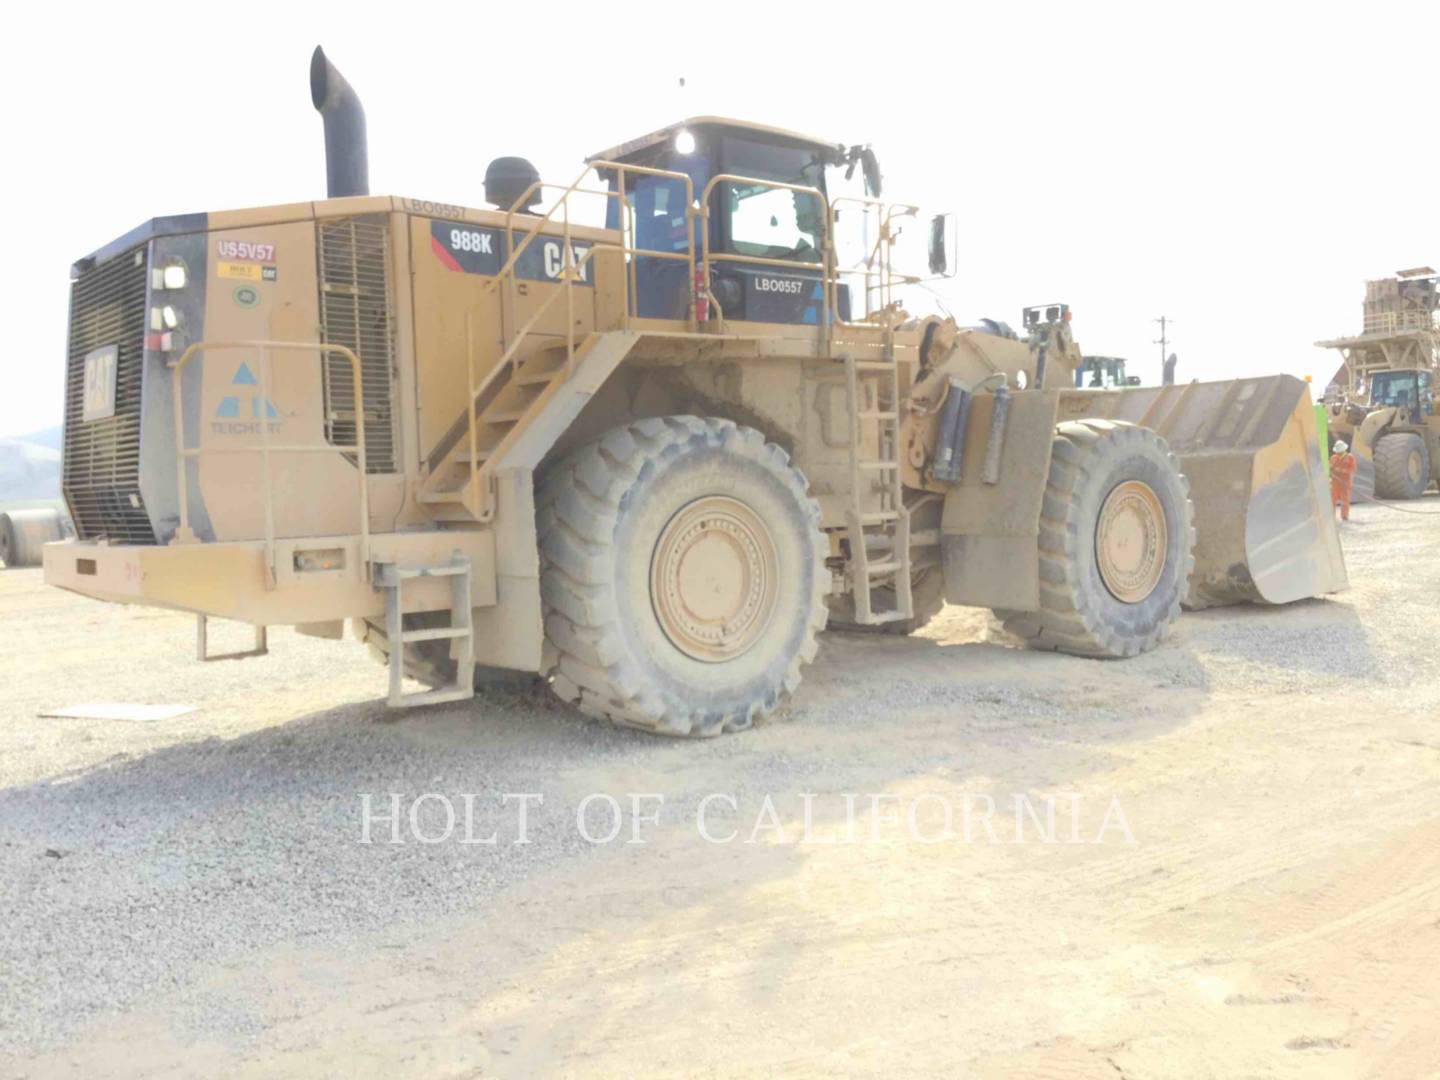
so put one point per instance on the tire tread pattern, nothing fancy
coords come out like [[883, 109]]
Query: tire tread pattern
[[579, 507], [1067, 621]]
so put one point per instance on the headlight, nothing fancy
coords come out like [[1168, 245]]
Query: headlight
[[173, 276], [684, 143], [170, 316]]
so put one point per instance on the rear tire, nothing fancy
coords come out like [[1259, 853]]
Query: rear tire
[[1402, 466], [1109, 588], [683, 576]]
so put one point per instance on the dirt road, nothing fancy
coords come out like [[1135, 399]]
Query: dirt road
[[1243, 877]]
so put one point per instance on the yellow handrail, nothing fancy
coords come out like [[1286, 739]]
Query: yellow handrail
[[183, 533], [622, 172], [571, 271], [878, 263], [827, 254]]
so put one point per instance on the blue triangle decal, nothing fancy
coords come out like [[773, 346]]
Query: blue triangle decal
[[229, 407], [243, 376]]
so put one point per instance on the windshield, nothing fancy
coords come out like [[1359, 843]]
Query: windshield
[[1394, 388]]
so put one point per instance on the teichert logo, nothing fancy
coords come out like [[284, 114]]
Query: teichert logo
[[240, 413]]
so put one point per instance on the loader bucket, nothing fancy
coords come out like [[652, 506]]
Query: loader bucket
[[1264, 527], [1362, 445]]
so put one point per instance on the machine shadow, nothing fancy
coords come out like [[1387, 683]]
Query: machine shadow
[[216, 813]]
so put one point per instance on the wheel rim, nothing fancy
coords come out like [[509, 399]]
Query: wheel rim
[[713, 579], [1412, 466], [1130, 541]]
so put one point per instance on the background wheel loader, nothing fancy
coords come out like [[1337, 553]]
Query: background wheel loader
[[1382, 400], [647, 456]]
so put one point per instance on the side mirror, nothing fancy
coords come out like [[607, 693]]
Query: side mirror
[[870, 166], [939, 257]]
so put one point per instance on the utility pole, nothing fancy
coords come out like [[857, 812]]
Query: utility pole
[[1167, 363]]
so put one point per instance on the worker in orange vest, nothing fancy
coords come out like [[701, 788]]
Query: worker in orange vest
[[1342, 472]]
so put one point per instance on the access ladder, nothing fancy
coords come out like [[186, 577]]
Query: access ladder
[[389, 577]]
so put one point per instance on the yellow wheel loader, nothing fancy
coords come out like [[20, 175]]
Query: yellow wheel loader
[[646, 454], [1396, 437], [1382, 402]]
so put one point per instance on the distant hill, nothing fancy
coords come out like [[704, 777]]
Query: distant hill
[[48, 437], [29, 470]]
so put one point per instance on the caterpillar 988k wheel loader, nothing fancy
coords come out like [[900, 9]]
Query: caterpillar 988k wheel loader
[[649, 457]]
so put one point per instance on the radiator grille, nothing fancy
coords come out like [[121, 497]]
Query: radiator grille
[[102, 457], [355, 312]]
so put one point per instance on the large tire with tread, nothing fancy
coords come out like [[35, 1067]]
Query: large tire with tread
[[1094, 463], [683, 576], [1402, 466]]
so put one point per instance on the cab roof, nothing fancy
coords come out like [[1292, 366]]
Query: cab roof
[[665, 134]]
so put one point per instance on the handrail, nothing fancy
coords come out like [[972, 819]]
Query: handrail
[[508, 357], [878, 261], [698, 273], [827, 253], [622, 171], [183, 534], [571, 271]]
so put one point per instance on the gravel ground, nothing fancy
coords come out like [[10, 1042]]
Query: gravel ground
[[192, 895]]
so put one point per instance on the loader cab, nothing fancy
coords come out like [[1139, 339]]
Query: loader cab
[[766, 242], [1410, 391], [1103, 373]]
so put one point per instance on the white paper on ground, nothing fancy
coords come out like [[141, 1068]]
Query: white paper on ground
[[110, 710]]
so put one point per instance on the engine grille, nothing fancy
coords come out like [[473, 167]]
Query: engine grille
[[355, 312], [101, 476]]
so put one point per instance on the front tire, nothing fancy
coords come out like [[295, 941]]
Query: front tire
[[1402, 466], [683, 576], [1117, 543]]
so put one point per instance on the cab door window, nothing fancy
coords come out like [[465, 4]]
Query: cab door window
[[773, 223], [766, 222]]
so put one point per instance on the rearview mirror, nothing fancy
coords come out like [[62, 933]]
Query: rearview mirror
[[939, 257], [870, 165]]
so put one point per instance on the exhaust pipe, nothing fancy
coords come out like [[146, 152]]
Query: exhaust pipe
[[347, 162]]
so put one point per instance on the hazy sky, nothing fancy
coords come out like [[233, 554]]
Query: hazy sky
[[1241, 168]]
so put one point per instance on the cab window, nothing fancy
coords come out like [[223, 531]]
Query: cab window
[[766, 222], [1393, 388]]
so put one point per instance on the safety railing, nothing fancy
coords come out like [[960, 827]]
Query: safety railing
[[877, 269], [571, 271], [823, 266], [1399, 322], [507, 274], [184, 453]]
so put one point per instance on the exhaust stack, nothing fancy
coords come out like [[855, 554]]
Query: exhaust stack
[[347, 161]]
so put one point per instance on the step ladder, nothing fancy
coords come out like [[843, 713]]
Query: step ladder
[[872, 393], [505, 402], [389, 577]]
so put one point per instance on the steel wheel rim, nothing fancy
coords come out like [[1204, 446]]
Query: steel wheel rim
[[1131, 538], [714, 577]]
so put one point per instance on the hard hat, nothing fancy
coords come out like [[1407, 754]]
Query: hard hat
[[1341, 446]]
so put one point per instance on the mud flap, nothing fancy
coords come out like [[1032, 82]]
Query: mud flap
[[1250, 448]]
